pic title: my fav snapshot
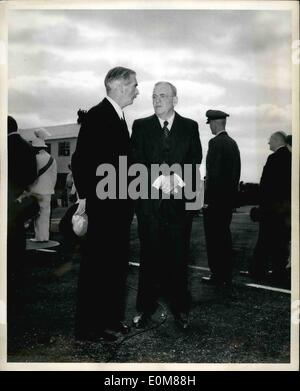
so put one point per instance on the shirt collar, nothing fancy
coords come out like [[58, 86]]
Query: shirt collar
[[170, 121], [116, 107], [281, 146], [222, 131]]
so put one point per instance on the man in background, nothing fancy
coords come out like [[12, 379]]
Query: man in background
[[274, 214], [22, 172], [223, 167]]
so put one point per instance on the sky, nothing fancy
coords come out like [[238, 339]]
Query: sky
[[230, 60]]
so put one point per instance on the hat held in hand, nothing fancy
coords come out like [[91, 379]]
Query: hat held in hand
[[40, 136], [80, 224]]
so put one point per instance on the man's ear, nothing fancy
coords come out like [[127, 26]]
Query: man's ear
[[120, 86], [175, 100]]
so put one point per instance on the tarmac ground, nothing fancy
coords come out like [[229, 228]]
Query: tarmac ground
[[251, 327]]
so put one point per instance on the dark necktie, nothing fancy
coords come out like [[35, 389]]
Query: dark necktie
[[165, 129]]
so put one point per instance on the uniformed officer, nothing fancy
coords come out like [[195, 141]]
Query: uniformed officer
[[223, 168]]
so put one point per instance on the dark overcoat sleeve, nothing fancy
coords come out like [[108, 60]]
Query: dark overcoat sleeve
[[213, 171], [138, 154], [22, 164], [80, 161], [194, 155], [223, 172], [275, 183]]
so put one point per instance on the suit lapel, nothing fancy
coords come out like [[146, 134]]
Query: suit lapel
[[157, 130], [157, 136], [176, 133], [154, 137]]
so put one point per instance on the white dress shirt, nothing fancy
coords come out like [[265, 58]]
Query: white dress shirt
[[170, 121]]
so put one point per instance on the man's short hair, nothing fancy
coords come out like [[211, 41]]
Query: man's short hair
[[12, 125], [173, 88], [117, 73], [281, 135]]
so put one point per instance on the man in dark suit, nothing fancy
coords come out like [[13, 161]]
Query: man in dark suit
[[22, 172], [164, 225], [223, 168], [274, 213], [102, 139]]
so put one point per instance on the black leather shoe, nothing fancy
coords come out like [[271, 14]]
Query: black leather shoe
[[140, 320], [120, 327], [182, 320]]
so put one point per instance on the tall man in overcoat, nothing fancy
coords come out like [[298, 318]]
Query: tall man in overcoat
[[103, 138]]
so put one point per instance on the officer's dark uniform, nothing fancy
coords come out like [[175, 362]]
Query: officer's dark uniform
[[223, 168]]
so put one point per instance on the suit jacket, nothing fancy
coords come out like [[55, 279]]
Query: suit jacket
[[102, 138], [223, 168], [22, 166], [148, 148], [45, 183], [275, 183]]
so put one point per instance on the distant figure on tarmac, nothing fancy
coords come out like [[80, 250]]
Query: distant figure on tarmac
[[272, 247], [69, 192], [44, 185]]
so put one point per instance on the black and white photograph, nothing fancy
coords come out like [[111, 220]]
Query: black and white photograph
[[149, 185]]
